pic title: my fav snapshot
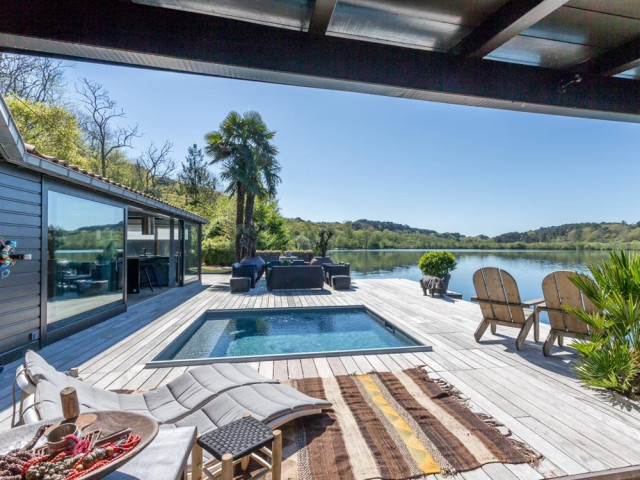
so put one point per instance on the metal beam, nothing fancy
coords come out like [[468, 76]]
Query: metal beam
[[614, 61], [321, 16], [131, 34], [509, 21]]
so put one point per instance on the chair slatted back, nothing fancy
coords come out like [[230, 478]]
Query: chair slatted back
[[498, 295], [559, 290]]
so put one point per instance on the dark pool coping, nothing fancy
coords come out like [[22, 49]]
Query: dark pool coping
[[186, 362]]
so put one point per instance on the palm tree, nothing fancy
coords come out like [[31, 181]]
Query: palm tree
[[242, 145]]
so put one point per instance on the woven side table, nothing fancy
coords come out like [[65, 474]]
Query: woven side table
[[239, 442]]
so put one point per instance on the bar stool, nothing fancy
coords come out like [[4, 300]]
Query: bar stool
[[149, 269]]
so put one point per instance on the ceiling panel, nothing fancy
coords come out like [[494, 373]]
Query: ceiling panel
[[437, 25], [293, 14], [625, 8], [586, 27], [542, 52]]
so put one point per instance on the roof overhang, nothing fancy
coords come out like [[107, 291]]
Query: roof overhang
[[14, 150], [161, 38]]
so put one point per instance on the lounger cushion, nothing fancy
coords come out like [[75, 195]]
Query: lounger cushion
[[167, 404], [265, 402], [196, 387]]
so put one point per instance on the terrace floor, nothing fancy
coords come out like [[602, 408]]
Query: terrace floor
[[578, 430]]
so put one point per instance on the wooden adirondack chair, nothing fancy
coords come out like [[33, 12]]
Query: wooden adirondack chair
[[499, 299], [559, 290]]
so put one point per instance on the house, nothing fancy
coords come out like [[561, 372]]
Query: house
[[94, 244]]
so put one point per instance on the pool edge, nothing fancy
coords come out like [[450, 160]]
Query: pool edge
[[188, 362]]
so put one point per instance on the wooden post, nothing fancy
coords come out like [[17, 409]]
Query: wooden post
[[276, 456], [244, 463], [196, 460], [70, 405], [227, 467]]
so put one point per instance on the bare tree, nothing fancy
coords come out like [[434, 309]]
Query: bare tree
[[97, 120], [36, 79], [154, 166]]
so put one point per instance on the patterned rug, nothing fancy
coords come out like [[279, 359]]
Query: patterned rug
[[395, 426]]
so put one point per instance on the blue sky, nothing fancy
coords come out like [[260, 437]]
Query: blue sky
[[450, 168]]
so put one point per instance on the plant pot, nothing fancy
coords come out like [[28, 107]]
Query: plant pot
[[320, 260], [257, 261], [445, 286]]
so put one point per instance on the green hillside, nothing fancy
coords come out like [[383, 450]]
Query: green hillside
[[370, 234]]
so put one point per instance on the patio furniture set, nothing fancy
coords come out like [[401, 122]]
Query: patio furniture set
[[500, 303], [289, 274]]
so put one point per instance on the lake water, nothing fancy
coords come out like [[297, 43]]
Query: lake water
[[528, 267]]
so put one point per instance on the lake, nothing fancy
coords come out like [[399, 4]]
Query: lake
[[528, 267]]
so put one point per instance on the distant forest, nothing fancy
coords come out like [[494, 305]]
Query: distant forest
[[370, 234]]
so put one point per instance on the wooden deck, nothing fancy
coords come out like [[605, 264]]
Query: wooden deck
[[578, 430]]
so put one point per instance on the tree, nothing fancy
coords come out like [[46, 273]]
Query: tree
[[99, 112], [196, 182], [51, 128], [272, 231], [242, 146], [35, 79], [154, 166]]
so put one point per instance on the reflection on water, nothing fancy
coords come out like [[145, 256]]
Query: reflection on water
[[527, 267]]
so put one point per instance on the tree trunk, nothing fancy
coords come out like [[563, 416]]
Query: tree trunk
[[239, 221], [248, 224]]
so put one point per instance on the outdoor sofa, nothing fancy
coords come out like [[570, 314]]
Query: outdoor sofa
[[206, 397], [280, 277]]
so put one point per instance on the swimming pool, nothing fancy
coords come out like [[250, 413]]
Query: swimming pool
[[270, 334]]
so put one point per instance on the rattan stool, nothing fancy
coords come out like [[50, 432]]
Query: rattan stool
[[240, 284], [238, 442], [341, 282]]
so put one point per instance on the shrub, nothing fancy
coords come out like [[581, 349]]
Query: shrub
[[611, 359], [437, 264], [218, 252], [270, 255]]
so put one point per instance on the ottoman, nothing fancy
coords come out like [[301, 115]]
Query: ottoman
[[240, 284], [341, 282]]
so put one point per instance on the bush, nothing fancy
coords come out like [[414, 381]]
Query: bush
[[218, 252], [270, 255], [611, 359], [437, 264]]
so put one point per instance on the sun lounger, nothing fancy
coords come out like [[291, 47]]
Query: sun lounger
[[559, 290], [499, 299], [207, 397]]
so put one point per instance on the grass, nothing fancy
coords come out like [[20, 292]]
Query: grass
[[215, 269]]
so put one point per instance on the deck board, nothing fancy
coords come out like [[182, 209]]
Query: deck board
[[537, 398]]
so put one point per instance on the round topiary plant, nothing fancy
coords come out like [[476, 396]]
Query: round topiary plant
[[437, 264]]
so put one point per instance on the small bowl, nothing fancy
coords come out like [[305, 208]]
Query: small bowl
[[56, 438]]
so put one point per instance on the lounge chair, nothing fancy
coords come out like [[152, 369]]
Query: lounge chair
[[499, 299], [206, 397], [559, 290]]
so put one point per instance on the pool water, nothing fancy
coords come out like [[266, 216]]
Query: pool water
[[286, 332]]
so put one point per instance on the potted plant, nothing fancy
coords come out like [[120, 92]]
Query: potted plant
[[438, 264], [321, 247]]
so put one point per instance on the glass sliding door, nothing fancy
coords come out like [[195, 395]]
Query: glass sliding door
[[191, 252], [85, 248]]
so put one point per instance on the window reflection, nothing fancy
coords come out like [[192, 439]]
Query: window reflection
[[191, 265], [85, 252]]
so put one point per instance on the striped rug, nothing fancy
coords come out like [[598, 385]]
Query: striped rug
[[399, 425]]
